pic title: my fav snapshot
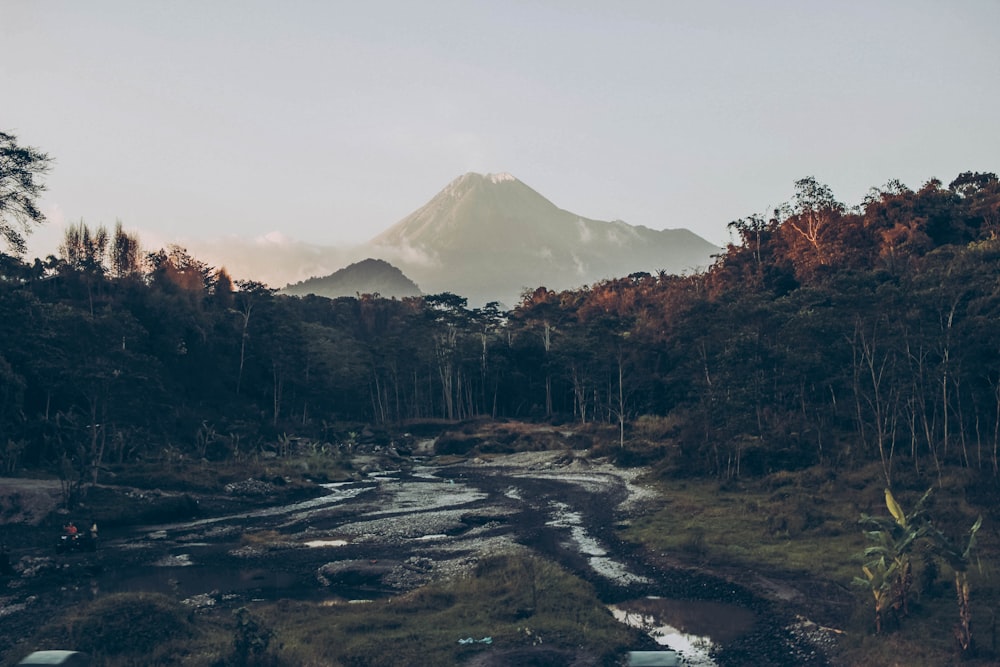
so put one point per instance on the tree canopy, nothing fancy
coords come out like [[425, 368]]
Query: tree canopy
[[823, 333], [21, 169]]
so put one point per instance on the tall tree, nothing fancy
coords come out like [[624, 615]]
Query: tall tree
[[250, 294], [811, 227], [83, 249], [20, 186], [124, 253]]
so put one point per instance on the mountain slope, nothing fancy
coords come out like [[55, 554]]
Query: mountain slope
[[369, 276], [489, 237]]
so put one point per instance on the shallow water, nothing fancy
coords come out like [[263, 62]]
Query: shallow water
[[190, 580], [597, 556], [693, 628]]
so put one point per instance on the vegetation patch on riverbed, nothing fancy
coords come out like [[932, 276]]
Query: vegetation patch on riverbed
[[507, 602]]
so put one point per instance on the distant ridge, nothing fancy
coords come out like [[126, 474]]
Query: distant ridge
[[369, 276], [489, 237]]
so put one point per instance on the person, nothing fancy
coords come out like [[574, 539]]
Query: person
[[93, 531], [70, 529], [5, 566]]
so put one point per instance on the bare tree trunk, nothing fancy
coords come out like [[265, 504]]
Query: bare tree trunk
[[279, 383], [245, 313], [621, 402]]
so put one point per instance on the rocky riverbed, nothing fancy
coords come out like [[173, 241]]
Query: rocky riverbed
[[395, 530]]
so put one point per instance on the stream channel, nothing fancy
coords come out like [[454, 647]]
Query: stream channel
[[394, 531]]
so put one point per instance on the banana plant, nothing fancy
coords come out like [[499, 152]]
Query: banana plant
[[887, 567], [878, 579], [960, 559]]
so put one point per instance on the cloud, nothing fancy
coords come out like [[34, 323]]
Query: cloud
[[273, 259], [404, 254]]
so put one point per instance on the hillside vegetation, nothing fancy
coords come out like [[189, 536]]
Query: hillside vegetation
[[821, 335], [828, 348]]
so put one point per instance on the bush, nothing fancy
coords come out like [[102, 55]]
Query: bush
[[454, 445], [131, 623]]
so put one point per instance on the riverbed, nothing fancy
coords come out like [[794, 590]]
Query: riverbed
[[395, 530]]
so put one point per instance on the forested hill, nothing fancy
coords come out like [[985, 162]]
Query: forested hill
[[823, 333]]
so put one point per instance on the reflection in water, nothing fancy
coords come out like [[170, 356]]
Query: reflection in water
[[187, 581], [597, 555], [326, 543], [692, 628]]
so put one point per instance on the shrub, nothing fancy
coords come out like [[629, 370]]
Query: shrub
[[455, 445], [130, 623]]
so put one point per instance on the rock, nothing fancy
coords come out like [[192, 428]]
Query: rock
[[250, 487]]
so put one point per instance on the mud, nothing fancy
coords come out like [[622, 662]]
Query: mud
[[394, 531]]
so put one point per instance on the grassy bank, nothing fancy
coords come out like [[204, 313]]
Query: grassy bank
[[803, 529], [519, 602]]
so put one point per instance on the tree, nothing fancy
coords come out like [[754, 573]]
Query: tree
[[980, 193], [177, 268], [451, 318], [20, 169], [251, 292], [812, 226], [83, 249], [540, 310], [124, 253]]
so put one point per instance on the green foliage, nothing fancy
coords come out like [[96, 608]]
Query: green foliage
[[517, 600], [130, 624], [887, 565], [251, 641], [888, 569], [825, 335], [21, 168]]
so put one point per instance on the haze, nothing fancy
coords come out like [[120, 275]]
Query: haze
[[231, 126]]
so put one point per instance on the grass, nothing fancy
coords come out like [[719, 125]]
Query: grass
[[117, 630], [783, 520], [806, 523], [515, 600], [201, 476], [803, 524]]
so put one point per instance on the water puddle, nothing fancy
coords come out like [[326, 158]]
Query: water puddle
[[384, 474], [589, 546], [183, 580], [180, 560], [326, 543], [692, 628], [405, 496], [338, 493]]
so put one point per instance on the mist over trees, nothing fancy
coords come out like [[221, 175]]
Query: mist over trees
[[822, 334]]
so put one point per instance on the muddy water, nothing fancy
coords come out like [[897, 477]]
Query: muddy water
[[562, 515], [692, 628], [190, 581]]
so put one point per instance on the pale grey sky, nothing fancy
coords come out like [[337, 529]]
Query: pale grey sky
[[330, 121]]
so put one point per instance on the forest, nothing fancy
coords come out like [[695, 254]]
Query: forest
[[823, 333]]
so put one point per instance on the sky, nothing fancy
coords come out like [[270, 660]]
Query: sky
[[239, 126]]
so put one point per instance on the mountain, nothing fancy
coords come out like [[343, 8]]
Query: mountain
[[489, 237], [369, 276]]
